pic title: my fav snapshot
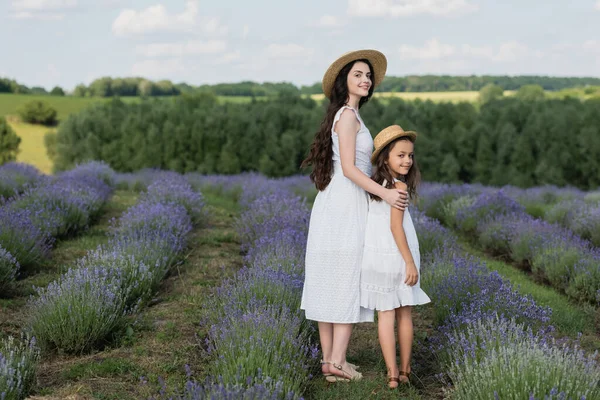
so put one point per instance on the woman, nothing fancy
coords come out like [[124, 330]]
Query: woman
[[340, 156]]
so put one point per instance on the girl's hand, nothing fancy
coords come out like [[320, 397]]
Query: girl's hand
[[412, 275], [396, 198]]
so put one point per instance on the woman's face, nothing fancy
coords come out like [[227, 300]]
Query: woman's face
[[359, 80]]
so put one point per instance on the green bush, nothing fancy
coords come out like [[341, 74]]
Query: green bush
[[9, 142], [38, 112]]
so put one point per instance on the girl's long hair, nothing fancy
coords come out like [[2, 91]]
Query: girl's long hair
[[382, 172], [320, 155]]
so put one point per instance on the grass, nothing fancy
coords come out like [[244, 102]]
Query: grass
[[32, 149], [64, 105], [163, 339], [364, 350]]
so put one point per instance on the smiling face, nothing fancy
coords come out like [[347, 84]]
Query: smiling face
[[400, 158], [359, 80]]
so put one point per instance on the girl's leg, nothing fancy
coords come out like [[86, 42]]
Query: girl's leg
[[326, 338], [405, 338], [387, 340]]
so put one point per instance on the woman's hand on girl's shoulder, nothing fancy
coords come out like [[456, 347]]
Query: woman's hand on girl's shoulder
[[401, 201]]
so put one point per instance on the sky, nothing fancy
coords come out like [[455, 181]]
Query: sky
[[68, 42]]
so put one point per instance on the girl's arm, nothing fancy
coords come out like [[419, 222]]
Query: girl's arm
[[346, 128], [396, 219]]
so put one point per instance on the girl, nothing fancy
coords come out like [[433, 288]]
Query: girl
[[390, 264], [340, 157]]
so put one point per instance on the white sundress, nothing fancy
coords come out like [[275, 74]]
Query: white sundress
[[336, 234], [383, 270]]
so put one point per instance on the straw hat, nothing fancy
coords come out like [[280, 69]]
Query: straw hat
[[387, 136], [376, 58]]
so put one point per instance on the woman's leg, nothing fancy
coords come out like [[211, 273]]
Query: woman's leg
[[341, 338], [387, 340], [326, 338], [405, 337]]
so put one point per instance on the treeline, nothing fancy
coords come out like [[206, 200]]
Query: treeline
[[137, 86], [12, 86], [507, 141], [448, 83]]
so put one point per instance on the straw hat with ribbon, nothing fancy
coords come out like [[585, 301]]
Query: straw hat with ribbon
[[387, 136], [376, 58]]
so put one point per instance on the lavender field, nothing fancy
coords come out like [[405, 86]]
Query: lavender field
[[159, 285]]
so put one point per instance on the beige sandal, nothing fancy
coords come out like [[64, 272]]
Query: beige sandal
[[325, 374], [349, 374]]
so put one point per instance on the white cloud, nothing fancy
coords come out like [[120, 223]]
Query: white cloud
[[42, 5], [191, 47], [330, 21], [287, 51], [592, 45], [598, 5], [405, 8], [506, 52], [157, 19], [229, 58], [159, 69], [432, 50], [41, 9], [511, 51]]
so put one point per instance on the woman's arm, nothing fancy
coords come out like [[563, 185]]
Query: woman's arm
[[346, 128], [396, 220]]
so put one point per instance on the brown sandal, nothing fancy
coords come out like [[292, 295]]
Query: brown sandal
[[405, 374], [391, 379]]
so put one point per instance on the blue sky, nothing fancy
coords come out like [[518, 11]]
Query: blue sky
[[66, 42]]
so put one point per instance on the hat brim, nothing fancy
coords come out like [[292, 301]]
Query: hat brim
[[410, 134], [376, 58]]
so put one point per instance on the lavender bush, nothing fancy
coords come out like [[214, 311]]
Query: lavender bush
[[264, 388], [16, 177], [9, 267], [173, 188], [79, 310], [265, 341], [138, 280], [18, 364], [22, 238], [269, 214], [528, 369]]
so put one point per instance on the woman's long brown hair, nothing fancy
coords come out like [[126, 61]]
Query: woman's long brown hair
[[320, 155], [383, 174]]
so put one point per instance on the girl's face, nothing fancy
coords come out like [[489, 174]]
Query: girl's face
[[359, 80], [400, 158]]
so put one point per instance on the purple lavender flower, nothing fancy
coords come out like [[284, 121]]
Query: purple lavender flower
[[20, 236], [16, 177], [9, 267]]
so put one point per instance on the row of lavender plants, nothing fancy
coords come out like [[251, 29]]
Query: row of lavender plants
[[491, 341], [92, 301], [574, 209], [44, 208], [36, 209], [257, 340], [500, 225]]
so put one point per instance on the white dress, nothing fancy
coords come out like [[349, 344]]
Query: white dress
[[383, 271], [335, 240]]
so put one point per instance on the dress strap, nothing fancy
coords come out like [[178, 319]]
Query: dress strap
[[338, 115]]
